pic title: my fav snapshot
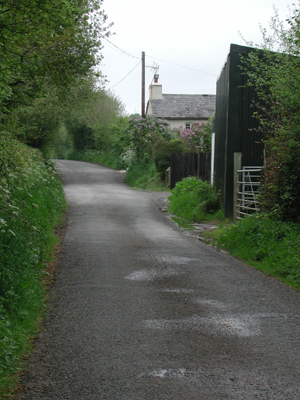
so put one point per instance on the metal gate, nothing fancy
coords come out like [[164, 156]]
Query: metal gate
[[248, 183]]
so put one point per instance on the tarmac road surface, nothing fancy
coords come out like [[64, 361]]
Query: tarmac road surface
[[141, 310]]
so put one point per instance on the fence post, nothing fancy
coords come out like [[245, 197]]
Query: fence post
[[207, 171], [198, 165], [237, 164]]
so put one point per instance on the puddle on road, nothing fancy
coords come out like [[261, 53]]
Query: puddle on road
[[152, 274], [232, 381], [180, 373], [175, 259], [157, 231], [215, 304], [243, 326], [162, 271], [178, 290], [170, 259]]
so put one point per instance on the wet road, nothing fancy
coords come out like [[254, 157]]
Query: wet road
[[141, 310]]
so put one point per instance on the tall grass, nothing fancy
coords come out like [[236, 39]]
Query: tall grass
[[108, 158], [270, 245], [31, 205], [144, 175], [141, 174]]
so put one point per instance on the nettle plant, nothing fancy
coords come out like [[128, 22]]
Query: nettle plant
[[145, 132], [197, 138]]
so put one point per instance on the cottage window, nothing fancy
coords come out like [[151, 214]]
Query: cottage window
[[188, 125]]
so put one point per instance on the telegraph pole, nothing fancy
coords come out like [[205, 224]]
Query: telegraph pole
[[143, 85]]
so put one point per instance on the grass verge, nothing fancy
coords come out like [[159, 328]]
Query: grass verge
[[109, 159], [269, 245], [145, 176], [140, 175]]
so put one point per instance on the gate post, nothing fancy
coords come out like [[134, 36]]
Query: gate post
[[237, 164]]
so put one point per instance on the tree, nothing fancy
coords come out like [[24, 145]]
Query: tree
[[48, 49], [146, 132], [51, 41], [274, 71], [92, 111], [37, 121]]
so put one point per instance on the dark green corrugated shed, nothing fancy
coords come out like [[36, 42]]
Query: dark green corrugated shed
[[235, 127]]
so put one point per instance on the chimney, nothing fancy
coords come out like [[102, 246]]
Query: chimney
[[155, 89]]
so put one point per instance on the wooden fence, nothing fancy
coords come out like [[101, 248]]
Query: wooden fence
[[189, 164]]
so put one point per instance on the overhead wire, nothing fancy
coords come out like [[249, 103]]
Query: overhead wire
[[183, 66], [121, 50], [124, 52], [126, 75], [160, 59]]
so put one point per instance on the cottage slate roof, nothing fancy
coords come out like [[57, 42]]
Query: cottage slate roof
[[184, 106]]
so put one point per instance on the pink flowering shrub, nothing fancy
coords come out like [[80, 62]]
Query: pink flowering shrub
[[197, 138], [145, 132]]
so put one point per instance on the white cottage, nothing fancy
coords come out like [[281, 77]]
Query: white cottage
[[180, 109]]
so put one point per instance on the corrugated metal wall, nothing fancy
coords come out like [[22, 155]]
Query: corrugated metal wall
[[250, 140], [221, 127], [234, 125]]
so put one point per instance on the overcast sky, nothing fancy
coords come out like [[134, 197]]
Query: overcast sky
[[189, 40]]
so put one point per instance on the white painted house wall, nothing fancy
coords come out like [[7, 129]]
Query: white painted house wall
[[155, 93], [176, 123]]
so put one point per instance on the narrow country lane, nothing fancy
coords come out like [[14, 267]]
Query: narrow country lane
[[141, 310]]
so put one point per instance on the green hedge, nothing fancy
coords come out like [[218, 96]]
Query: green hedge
[[31, 204], [195, 200]]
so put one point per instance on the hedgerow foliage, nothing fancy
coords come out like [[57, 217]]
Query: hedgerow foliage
[[272, 246], [145, 132], [31, 204], [152, 140], [144, 135], [274, 71], [48, 53], [195, 200]]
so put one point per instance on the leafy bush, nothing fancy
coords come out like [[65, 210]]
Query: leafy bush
[[119, 139], [143, 175], [82, 135], [271, 245], [281, 180], [108, 158], [145, 132], [195, 200], [162, 151], [62, 143], [274, 72]]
